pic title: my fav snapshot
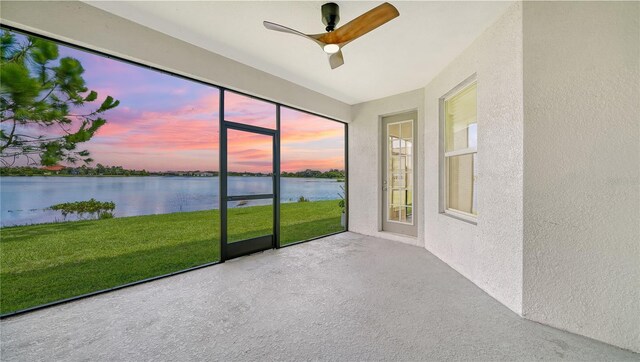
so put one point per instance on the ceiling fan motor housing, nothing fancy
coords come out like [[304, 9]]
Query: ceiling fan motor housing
[[330, 15]]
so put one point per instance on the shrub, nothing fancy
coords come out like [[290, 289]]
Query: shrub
[[105, 215], [303, 199], [93, 209]]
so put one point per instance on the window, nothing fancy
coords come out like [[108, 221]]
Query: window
[[460, 152]]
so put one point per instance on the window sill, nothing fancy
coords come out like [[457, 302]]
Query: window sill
[[468, 218]]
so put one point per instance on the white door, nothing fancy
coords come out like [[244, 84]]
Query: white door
[[398, 176]]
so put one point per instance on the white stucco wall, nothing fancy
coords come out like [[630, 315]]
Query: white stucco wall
[[365, 174], [582, 166], [85, 25], [489, 253]]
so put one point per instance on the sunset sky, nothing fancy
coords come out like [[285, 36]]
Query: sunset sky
[[168, 123]]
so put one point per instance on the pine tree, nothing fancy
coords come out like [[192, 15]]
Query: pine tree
[[43, 104]]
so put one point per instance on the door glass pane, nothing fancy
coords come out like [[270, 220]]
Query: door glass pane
[[248, 219], [396, 146], [398, 180], [394, 130], [394, 213], [242, 109], [312, 177], [395, 164], [408, 148], [400, 171], [408, 198], [461, 171], [408, 163], [395, 197], [409, 214], [250, 163], [407, 130]]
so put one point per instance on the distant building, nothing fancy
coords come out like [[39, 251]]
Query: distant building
[[54, 168]]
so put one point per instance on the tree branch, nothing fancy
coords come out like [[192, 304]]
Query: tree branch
[[10, 138]]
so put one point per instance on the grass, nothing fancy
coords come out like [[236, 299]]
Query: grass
[[48, 262]]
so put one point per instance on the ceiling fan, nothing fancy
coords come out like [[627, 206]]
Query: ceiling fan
[[334, 39]]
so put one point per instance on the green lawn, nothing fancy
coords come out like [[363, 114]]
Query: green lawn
[[48, 262]]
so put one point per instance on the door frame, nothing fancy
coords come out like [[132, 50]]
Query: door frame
[[261, 243], [411, 114]]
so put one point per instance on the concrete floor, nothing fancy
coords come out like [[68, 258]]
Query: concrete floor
[[347, 297]]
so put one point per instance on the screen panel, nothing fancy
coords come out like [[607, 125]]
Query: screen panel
[[250, 111], [144, 206], [312, 179], [249, 163], [252, 219]]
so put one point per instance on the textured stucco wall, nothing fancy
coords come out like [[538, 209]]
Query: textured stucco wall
[[489, 253], [85, 25], [582, 166], [365, 197]]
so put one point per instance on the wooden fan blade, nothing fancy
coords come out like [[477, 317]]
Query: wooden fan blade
[[277, 27], [336, 59], [360, 25]]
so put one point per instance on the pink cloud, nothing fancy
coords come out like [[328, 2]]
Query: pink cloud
[[192, 126], [243, 109], [186, 136], [112, 129]]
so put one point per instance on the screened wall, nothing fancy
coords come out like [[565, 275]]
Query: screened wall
[[133, 190]]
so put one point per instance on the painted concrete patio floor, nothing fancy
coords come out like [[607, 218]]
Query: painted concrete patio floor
[[347, 297]]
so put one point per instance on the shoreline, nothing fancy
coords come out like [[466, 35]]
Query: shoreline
[[215, 209], [317, 178]]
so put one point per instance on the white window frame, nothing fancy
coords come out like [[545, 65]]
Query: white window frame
[[444, 156]]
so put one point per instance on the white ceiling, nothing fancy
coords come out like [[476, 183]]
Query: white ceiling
[[402, 55]]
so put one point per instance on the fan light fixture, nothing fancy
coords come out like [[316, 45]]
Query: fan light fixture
[[331, 48], [334, 39]]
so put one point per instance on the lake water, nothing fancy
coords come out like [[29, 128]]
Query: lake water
[[24, 200]]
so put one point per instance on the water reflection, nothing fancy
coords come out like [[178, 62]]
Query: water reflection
[[24, 200]]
